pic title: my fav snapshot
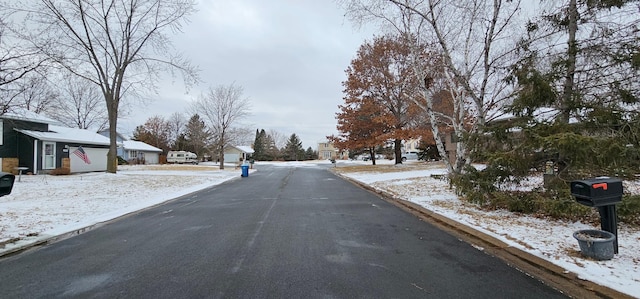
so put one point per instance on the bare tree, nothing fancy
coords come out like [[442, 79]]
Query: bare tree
[[79, 105], [223, 108], [472, 47], [16, 62], [121, 46], [176, 124], [279, 139], [35, 93]]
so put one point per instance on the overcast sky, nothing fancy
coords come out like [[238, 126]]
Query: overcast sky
[[289, 56]]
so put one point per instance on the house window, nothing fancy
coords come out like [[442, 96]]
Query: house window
[[133, 154]]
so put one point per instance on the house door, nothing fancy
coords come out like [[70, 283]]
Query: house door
[[48, 155]]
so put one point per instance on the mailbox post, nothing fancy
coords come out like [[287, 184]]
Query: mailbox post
[[604, 194]]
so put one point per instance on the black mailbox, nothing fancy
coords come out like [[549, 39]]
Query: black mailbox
[[597, 192], [604, 194], [6, 183]]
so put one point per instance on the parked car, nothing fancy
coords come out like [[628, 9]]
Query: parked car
[[378, 157], [409, 156], [182, 157]]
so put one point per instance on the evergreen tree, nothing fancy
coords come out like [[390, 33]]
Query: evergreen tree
[[197, 136], [260, 146], [293, 151], [181, 143], [310, 154], [576, 101]]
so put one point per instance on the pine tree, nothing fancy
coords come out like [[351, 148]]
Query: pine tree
[[293, 151], [260, 146], [575, 105], [197, 135], [310, 154], [181, 143]]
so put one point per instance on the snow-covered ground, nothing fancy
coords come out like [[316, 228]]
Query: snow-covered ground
[[44, 206]]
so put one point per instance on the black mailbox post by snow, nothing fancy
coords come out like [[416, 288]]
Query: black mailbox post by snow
[[6, 183], [604, 194]]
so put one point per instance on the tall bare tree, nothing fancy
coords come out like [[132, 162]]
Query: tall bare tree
[[79, 105], [224, 107], [279, 139], [36, 94], [121, 46], [177, 123], [17, 62]]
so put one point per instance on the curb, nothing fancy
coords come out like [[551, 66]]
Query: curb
[[551, 274]]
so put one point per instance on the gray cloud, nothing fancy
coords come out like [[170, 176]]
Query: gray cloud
[[289, 56]]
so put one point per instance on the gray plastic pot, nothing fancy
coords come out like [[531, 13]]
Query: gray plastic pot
[[596, 244]]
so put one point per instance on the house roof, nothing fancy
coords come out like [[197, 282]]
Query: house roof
[[71, 135], [243, 148], [27, 115], [543, 114], [139, 146], [106, 132]]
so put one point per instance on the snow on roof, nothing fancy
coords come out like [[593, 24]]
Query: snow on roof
[[244, 148], [543, 114], [139, 146], [71, 135], [27, 115]]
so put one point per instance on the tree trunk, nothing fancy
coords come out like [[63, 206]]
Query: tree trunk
[[112, 155], [572, 52], [397, 148], [221, 156]]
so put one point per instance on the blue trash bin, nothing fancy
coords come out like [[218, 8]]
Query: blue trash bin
[[245, 170]]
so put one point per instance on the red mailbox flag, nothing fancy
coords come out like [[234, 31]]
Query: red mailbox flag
[[600, 185]]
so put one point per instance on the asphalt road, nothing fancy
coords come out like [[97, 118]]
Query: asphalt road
[[280, 233]]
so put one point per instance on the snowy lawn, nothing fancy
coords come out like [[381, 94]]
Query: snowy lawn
[[44, 206]]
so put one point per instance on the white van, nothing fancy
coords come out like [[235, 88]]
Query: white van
[[410, 156], [182, 157]]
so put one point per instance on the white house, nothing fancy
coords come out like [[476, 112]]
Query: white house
[[237, 154], [140, 152], [134, 151]]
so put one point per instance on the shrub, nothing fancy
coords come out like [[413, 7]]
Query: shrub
[[629, 210], [544, 204], [122, 161]]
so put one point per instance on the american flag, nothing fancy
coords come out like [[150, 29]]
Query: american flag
[[82, 155]]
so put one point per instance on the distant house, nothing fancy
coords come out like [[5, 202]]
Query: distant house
[[237, 154], [411, 145], [140, 152], [39, 145], [326, 151], [133, 151]]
